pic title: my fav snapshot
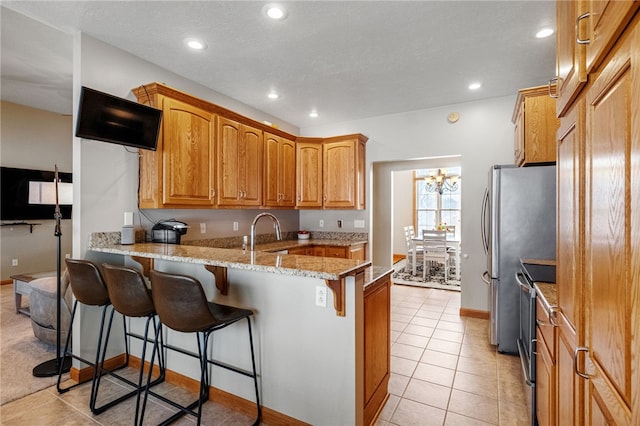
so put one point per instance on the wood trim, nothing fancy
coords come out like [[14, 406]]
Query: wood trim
[[231, 401], [474, 313], [86, 374], [220, 273], [5, 282], [145, 262], [338, 289]]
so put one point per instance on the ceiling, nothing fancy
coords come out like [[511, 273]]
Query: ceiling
[[346, 59]]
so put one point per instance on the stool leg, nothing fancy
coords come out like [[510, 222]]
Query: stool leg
[[99, 365], [255, 374], [148, 385], [65, 352]]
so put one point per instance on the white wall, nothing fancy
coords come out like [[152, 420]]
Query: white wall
[[34, 139], [483, 136], [402, 204]]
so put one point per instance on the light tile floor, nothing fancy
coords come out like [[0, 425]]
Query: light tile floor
[[444, 371]]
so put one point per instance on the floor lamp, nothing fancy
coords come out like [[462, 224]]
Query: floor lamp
[[59, 364]]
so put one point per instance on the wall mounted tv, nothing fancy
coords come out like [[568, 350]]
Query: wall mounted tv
[[107, 118], [15, 183]]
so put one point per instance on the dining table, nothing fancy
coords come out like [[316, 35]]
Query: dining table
[[454, 245]]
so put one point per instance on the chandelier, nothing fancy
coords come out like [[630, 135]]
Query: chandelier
[[440, 182]]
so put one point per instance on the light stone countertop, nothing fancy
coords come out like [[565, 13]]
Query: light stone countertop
[[262, 261]]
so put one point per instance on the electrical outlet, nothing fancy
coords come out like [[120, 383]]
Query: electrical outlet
[[339, 223], [321, 223], [235, 226], [358, 223], [14, 262], [321, 296], [203, 228]]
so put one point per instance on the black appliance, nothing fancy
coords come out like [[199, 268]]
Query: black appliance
[[530, 272], [168, 231], [107, 118]]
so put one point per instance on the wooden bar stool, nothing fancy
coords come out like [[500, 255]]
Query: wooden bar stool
[[182, 306], [130, 297]]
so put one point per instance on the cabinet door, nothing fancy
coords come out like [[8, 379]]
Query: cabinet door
[[228, 162], [239, 164], [570, 56], [309, 174], [545, 383], [250, 166], [540, 126], [569, 269], [279, 172], [607, 19], [358, 252], [518, 137], [317, 251], [188, 147], [330, 251], [339, 174], [612, 250]]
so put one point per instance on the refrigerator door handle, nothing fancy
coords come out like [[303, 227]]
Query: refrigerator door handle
[[486, 278], [483, 221], [523, 286]]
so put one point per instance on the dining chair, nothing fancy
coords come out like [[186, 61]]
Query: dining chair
[[434, 244], [414, 250]]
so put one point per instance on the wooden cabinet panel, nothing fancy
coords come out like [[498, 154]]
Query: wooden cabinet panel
[[339, 169], [377, 346], [331, 251], [535, 127], [240, 160], [570, 388], [612, 250], [358, 252], [545, 384], [606, 21], [571, 68], [300, 250], [308, 174], [317, 251], [180, 172], [279, 171]]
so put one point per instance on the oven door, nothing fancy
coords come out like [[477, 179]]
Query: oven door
[[527, 341]]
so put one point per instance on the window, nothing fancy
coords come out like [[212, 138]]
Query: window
[[434, 209]]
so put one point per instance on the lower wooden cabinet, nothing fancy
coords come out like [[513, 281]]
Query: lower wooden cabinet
[[377, 346], [356, 251], [545, 367]]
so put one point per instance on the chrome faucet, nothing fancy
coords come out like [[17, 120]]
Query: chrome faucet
[[276, 226]]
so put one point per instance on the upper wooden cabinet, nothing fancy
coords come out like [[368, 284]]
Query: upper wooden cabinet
[[279, 171], [209, 156], [309, 173], [180, 172], [240, 160], [535, 122], [343, 162], [571, 68]]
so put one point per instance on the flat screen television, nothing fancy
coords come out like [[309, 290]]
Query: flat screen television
[[17, 200], [107, 118]]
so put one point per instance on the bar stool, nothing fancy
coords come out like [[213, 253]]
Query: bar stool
[[182, 305], [130, 297], [89, 289]]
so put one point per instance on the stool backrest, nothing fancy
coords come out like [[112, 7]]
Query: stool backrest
[[180, 302], [87, 283], [128, 292]]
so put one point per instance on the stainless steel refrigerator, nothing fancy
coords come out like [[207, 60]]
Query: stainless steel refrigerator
[[518, 221]]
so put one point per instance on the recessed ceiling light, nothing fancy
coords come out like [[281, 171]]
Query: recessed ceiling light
[[475, 86], [313, 114], [195, 44], [545, 32], [275, 12], [273, 95]]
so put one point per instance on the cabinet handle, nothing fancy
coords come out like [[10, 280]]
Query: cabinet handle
[[553, 80], [576, 353], [580, 18], [534, 344], [553, 316]]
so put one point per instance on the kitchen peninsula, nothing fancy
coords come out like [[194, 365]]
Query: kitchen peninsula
[[319, 361]]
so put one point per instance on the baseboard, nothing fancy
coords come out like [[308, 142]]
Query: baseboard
[[5, 282], [473, 313], [234, 402]]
